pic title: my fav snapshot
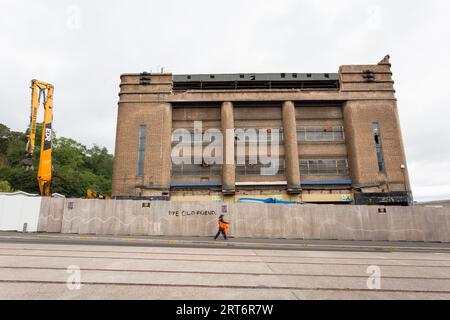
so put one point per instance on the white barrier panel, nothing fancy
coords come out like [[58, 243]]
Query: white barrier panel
[[18, 210], [248, 220]]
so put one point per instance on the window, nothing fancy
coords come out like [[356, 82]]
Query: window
[[187, 136], [196, 170], [255, 169], [141, 150], [255, 135], [268, 138], [320, 134], [378, 146], [330, 167]]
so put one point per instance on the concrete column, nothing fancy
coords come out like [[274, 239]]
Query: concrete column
[[291, 148], [166, 145], [228, 167], [402, 151]]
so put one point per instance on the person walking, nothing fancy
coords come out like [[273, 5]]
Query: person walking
[[223, 228]]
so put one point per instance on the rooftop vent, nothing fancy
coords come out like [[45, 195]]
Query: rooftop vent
[[145, 78], [369, 76]]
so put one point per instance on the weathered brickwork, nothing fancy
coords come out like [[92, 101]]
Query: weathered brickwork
[[336, 128]]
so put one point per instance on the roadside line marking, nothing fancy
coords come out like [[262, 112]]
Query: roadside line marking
[[227, 273], [228, 286], [383, 264], [244, 244], [189, 253]]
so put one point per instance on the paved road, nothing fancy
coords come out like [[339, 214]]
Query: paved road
[[238, 243], [39, 271]]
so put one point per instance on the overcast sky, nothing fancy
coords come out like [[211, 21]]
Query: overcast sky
[[82, 47]]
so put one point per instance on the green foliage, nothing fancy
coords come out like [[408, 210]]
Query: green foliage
[[5, 186], [99, 161], [75, 166], [68, 152], [12, 146], [15, 152], [21, 179]]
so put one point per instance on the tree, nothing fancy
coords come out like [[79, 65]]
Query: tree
[[20, 179], [75, 166], [99, 161], [68, 152], [5, 187], [4, 134]]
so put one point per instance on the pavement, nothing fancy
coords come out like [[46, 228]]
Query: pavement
[[48, 266], [208, 242]]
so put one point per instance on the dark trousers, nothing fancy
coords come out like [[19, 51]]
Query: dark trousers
[[221, 232]]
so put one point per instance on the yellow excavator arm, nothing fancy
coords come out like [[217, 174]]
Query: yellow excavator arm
[[42, 90]]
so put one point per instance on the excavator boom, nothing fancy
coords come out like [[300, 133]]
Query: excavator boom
[[42, 90]]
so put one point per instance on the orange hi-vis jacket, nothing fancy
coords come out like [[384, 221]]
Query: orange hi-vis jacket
[[223, 225]]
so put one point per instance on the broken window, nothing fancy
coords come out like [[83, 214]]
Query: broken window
[[196, 170], [326, 133], [378, 146], [324, 167], [249, 169]]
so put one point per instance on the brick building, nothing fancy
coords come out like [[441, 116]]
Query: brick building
[[340, 139]]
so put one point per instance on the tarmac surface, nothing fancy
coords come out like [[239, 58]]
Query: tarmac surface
[[48, 266]]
